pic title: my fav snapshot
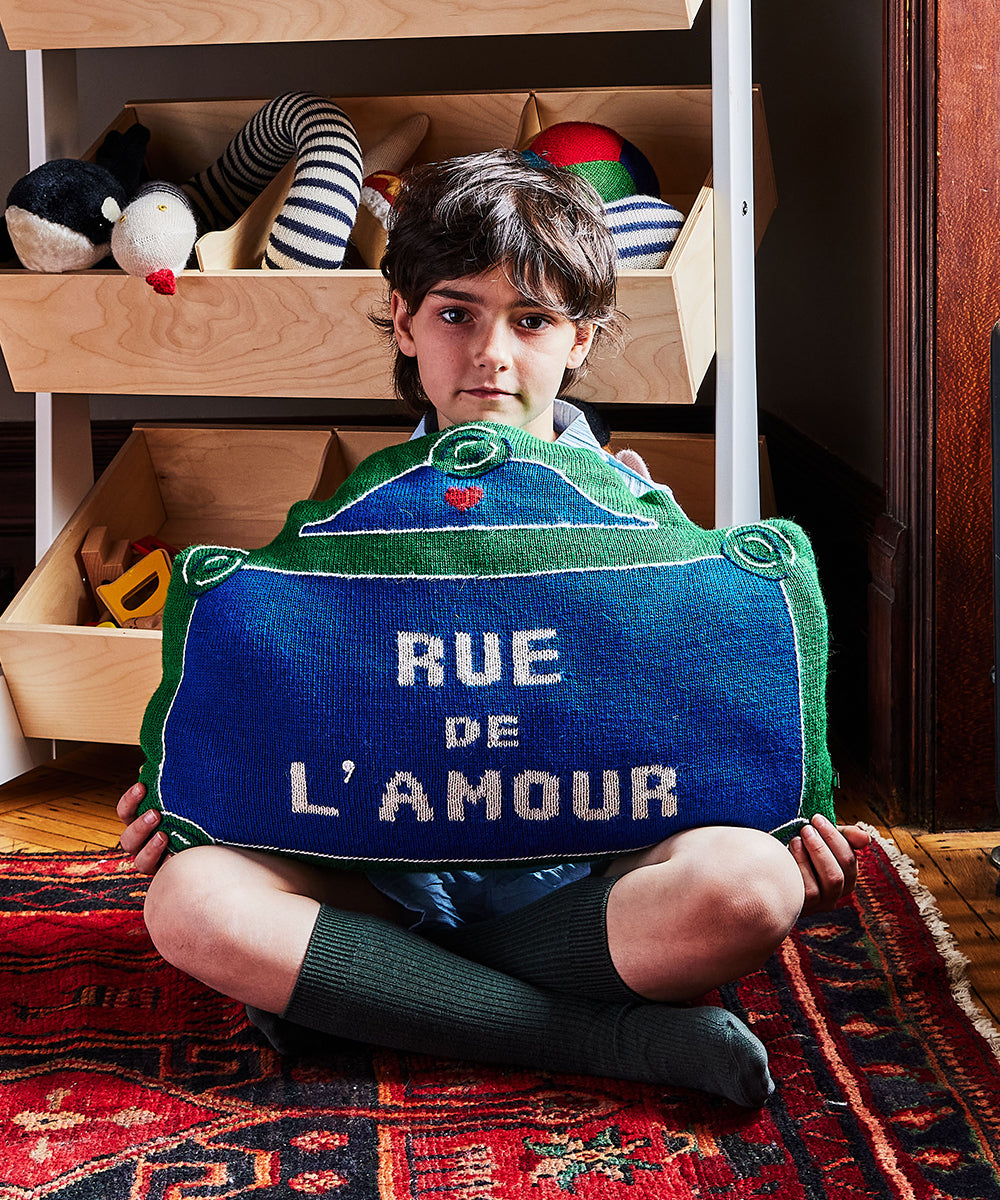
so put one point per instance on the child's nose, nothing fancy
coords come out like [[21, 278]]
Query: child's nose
[[494, 348]]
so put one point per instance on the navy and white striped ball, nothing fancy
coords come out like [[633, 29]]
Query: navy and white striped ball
[[312, 228], [644, 229]]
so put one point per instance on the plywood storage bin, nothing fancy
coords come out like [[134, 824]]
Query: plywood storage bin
[[248, 332], [686, 461], [222, 486], [50, 24]]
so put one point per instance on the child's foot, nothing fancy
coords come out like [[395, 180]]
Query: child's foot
[[704, 1048], [285, 1036]]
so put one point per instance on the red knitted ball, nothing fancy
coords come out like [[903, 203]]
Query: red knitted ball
[[610, 163]]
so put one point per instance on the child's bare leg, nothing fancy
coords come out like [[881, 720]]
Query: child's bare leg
[[240, 921], [700, 909], [669, 923]]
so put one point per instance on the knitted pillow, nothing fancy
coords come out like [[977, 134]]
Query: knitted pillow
[[484, 650]]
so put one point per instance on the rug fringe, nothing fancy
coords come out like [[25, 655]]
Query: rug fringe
[[956, 962]]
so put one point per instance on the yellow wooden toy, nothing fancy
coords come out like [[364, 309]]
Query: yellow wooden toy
[[141, 591]]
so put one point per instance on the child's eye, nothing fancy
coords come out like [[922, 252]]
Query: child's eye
[[536, 321], [453, 316]]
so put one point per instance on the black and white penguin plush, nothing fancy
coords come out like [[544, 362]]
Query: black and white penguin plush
[[59, 216]]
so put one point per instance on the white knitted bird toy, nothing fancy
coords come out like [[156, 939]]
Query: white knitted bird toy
[[155, 235]]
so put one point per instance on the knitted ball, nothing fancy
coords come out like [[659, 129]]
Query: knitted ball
[[609, 163]]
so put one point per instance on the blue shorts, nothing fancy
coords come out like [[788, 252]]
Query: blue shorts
[[444, 899]]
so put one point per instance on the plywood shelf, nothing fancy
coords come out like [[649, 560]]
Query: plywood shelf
[[47, 25], [308, 334]]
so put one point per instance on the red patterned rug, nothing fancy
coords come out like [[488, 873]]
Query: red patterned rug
[[122, 1080]]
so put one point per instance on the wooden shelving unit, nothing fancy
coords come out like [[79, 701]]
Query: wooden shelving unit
[[239, 331], [51, 33]]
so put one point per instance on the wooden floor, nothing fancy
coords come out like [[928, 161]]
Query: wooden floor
[[69, 804]]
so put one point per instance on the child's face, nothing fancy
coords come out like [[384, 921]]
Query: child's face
[[485, 354]]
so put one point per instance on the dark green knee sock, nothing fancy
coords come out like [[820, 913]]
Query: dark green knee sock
[[559, 943], [366, 979]]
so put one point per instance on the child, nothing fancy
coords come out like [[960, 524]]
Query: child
[[502, 275]]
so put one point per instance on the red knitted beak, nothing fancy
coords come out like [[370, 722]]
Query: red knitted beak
[[163, 282]]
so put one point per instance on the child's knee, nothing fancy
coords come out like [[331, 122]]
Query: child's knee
[[769, 893], [185, 906], [740, 889]]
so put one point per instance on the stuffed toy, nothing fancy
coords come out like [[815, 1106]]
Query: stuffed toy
[[371, 230], [155, 235], [59, 216], [70, 214], [612, 166], [485, 649], [381, 184], [644, 227], [394, 151], [313, 226]]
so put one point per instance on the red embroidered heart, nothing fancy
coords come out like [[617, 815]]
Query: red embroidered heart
[[464, 498]]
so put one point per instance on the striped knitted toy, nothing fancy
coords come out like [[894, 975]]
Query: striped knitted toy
[[311, 231], [485, 649], [644, 229]]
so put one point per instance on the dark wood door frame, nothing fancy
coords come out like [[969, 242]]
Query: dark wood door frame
[[901, 598], [930, 613]]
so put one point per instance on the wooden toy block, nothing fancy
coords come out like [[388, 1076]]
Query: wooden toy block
[[153, 621], [141, 591], [104, 560]]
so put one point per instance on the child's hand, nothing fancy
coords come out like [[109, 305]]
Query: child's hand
[[140, 838], [826, 855]]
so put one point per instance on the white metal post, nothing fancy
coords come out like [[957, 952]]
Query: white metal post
[[63, 459], [737, 468], [64, 462], [64, 467], [17, 753], [53, 128]]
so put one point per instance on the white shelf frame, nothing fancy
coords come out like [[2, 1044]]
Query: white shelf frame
[[737, 471], [63, 458]]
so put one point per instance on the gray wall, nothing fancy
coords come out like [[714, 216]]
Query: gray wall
[[820, 264], [820, 288]]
